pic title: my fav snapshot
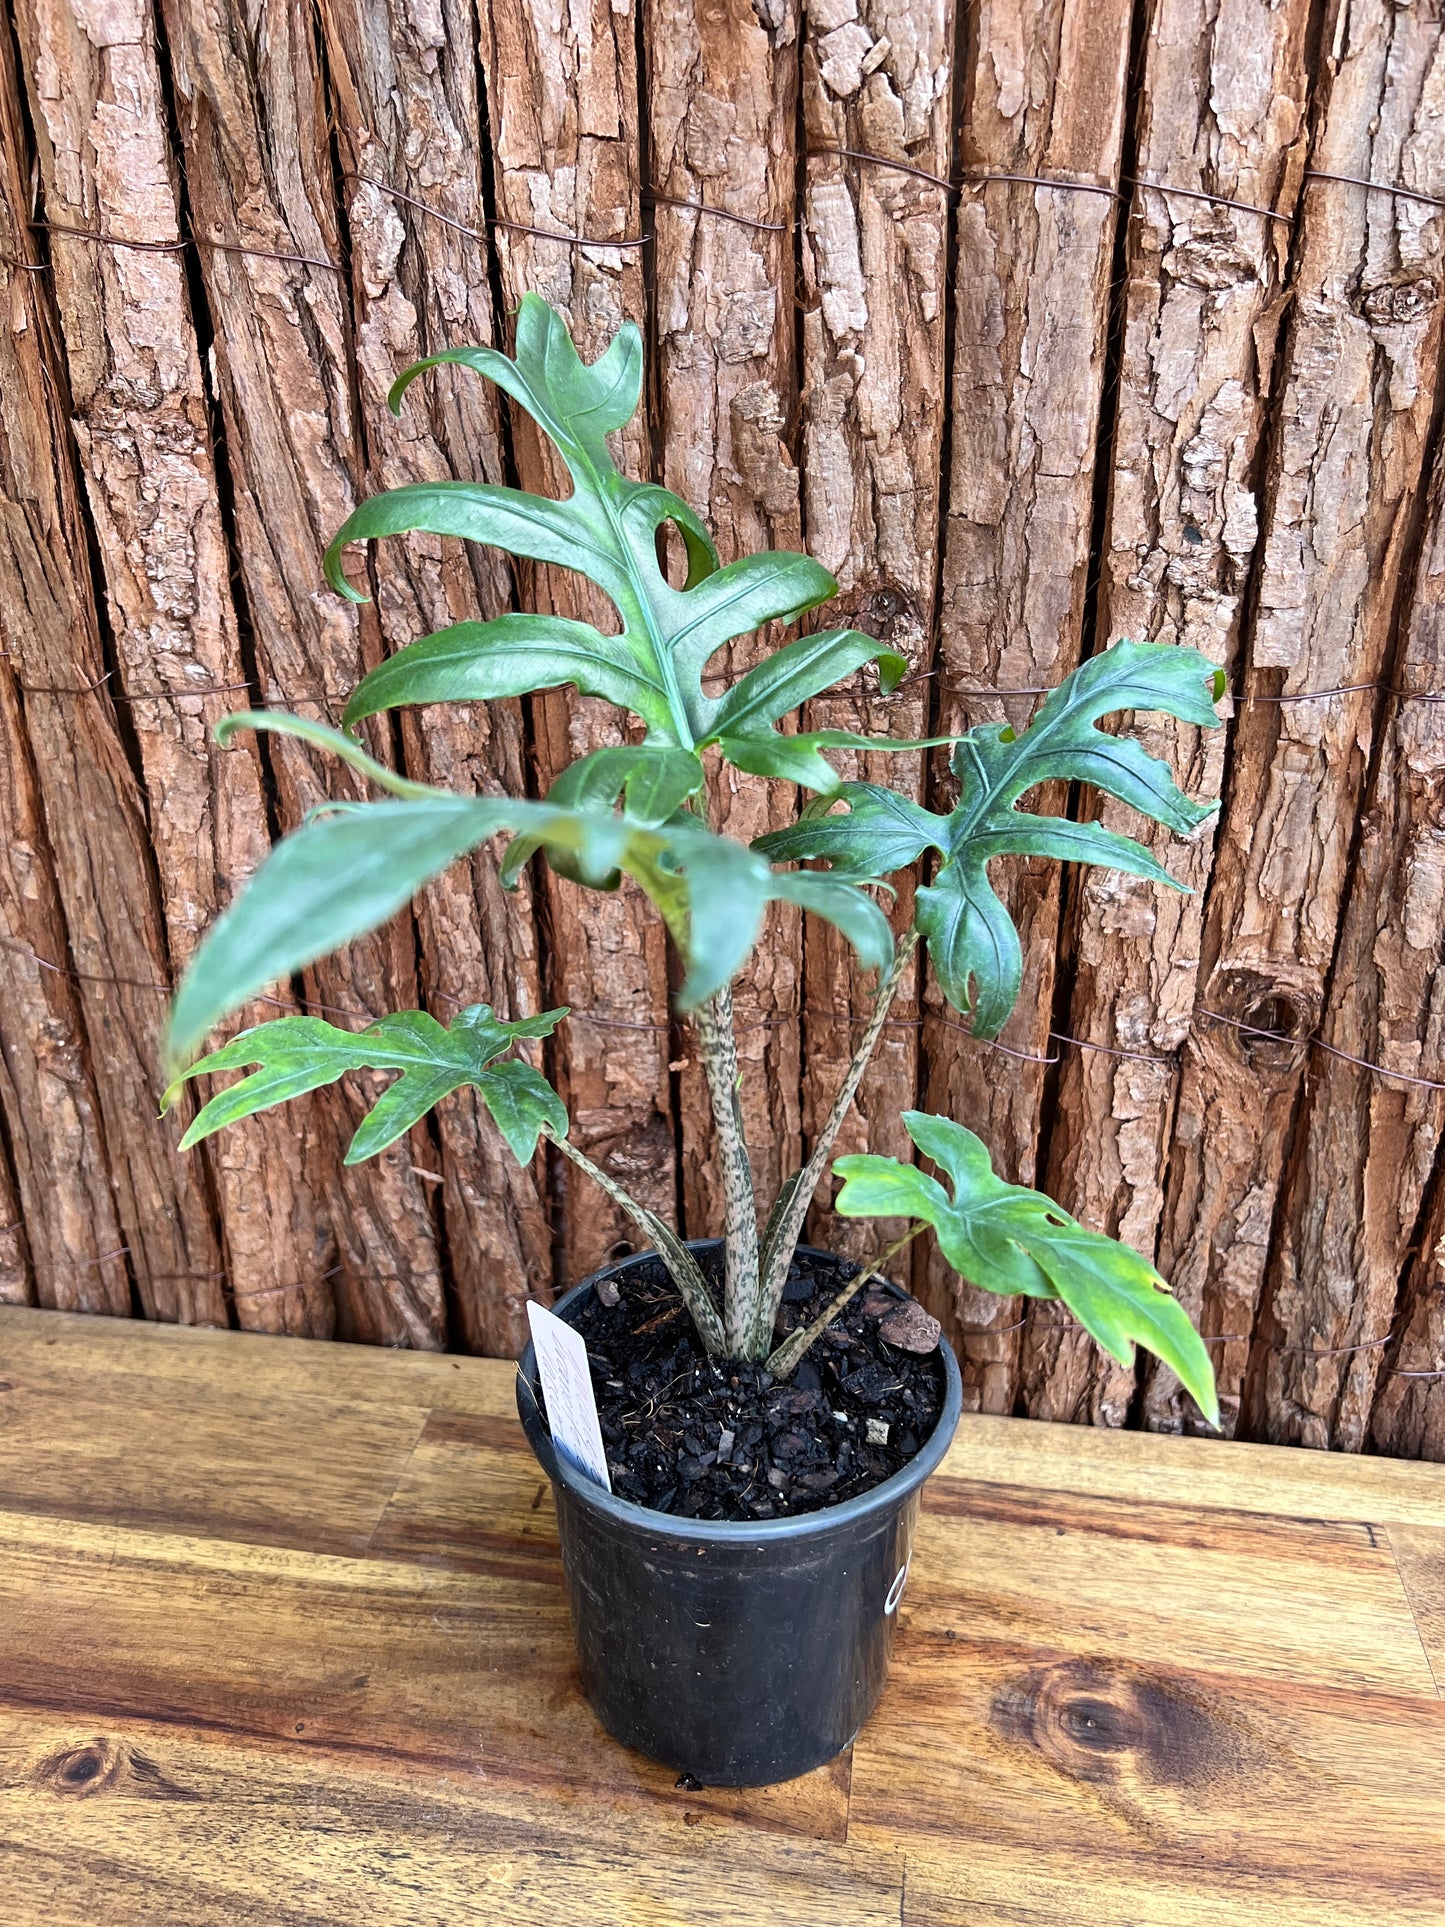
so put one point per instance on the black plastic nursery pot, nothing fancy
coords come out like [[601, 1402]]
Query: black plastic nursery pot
[[740, 1653]]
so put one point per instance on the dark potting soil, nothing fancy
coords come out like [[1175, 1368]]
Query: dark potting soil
[[712, 1439]]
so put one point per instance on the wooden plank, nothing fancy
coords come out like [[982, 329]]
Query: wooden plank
[[93, 816], [443, 1513], [722, 85], [1340, 504], [459, 1670], [1197, 1472], [1172, 1584], [1420, 1554], [1205, 292], [1014, 1886], [1181, 1678], [1118, 1753], [255, 1468], [142, 425], [160, 1363], [1285, 1799], [563, 115], [258, 165], [1044, 92], [406, 104], [877, 79], [173, 1825]]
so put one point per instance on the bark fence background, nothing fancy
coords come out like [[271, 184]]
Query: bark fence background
[[1040, 322]]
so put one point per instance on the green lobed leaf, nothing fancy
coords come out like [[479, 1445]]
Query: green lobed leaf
[[513, 656], [531, 526], [1008, 1239], [878, 831], [576, 406], [347, 871], [523, 1105], [790, 759], [299, 1054], [321, 736], [607, 530], [651, 783], [844, 905], [333, 880], [727, 892], [795, 674], [343, 874], [972, 943]]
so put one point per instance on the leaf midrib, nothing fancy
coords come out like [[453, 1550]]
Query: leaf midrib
[[623, 550]]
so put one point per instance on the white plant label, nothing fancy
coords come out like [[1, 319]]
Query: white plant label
[[567, 1388]]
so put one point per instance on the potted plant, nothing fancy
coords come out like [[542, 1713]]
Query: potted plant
[[769, 1413]]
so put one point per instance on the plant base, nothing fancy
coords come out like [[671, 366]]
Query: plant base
[[740, 1653]]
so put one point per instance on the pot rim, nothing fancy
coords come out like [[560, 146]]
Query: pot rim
[[627, 1513]]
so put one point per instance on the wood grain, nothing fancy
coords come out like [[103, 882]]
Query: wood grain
[[1138, 1679], [1044, 93], [878, 80], [334, 1838], [407, 106], [565, 122], [1221, 112], [1099, 1761], [722, 85], [1339, 513]]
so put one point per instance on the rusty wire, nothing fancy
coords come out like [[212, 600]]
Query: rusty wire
[[970, 177]]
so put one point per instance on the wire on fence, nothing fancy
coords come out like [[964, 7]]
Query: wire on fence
[[178, 246], [933, 1015], [971, 177], [970, 691]]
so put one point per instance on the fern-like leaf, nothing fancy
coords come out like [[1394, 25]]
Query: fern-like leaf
[[972, 942]]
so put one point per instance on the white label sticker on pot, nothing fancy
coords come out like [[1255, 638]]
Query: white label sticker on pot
[[567, 1388]]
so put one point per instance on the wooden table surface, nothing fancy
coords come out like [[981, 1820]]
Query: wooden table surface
[[283, 1640]]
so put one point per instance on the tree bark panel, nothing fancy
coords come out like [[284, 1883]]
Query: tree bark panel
[[408, 111], [877, 79], [1341, 500], [55, 1141], [1368, 1143], [1408, 1419], [1221, 111], [1045, 95], [565, 123], [94, 816], [258, 165], [722, 86]]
